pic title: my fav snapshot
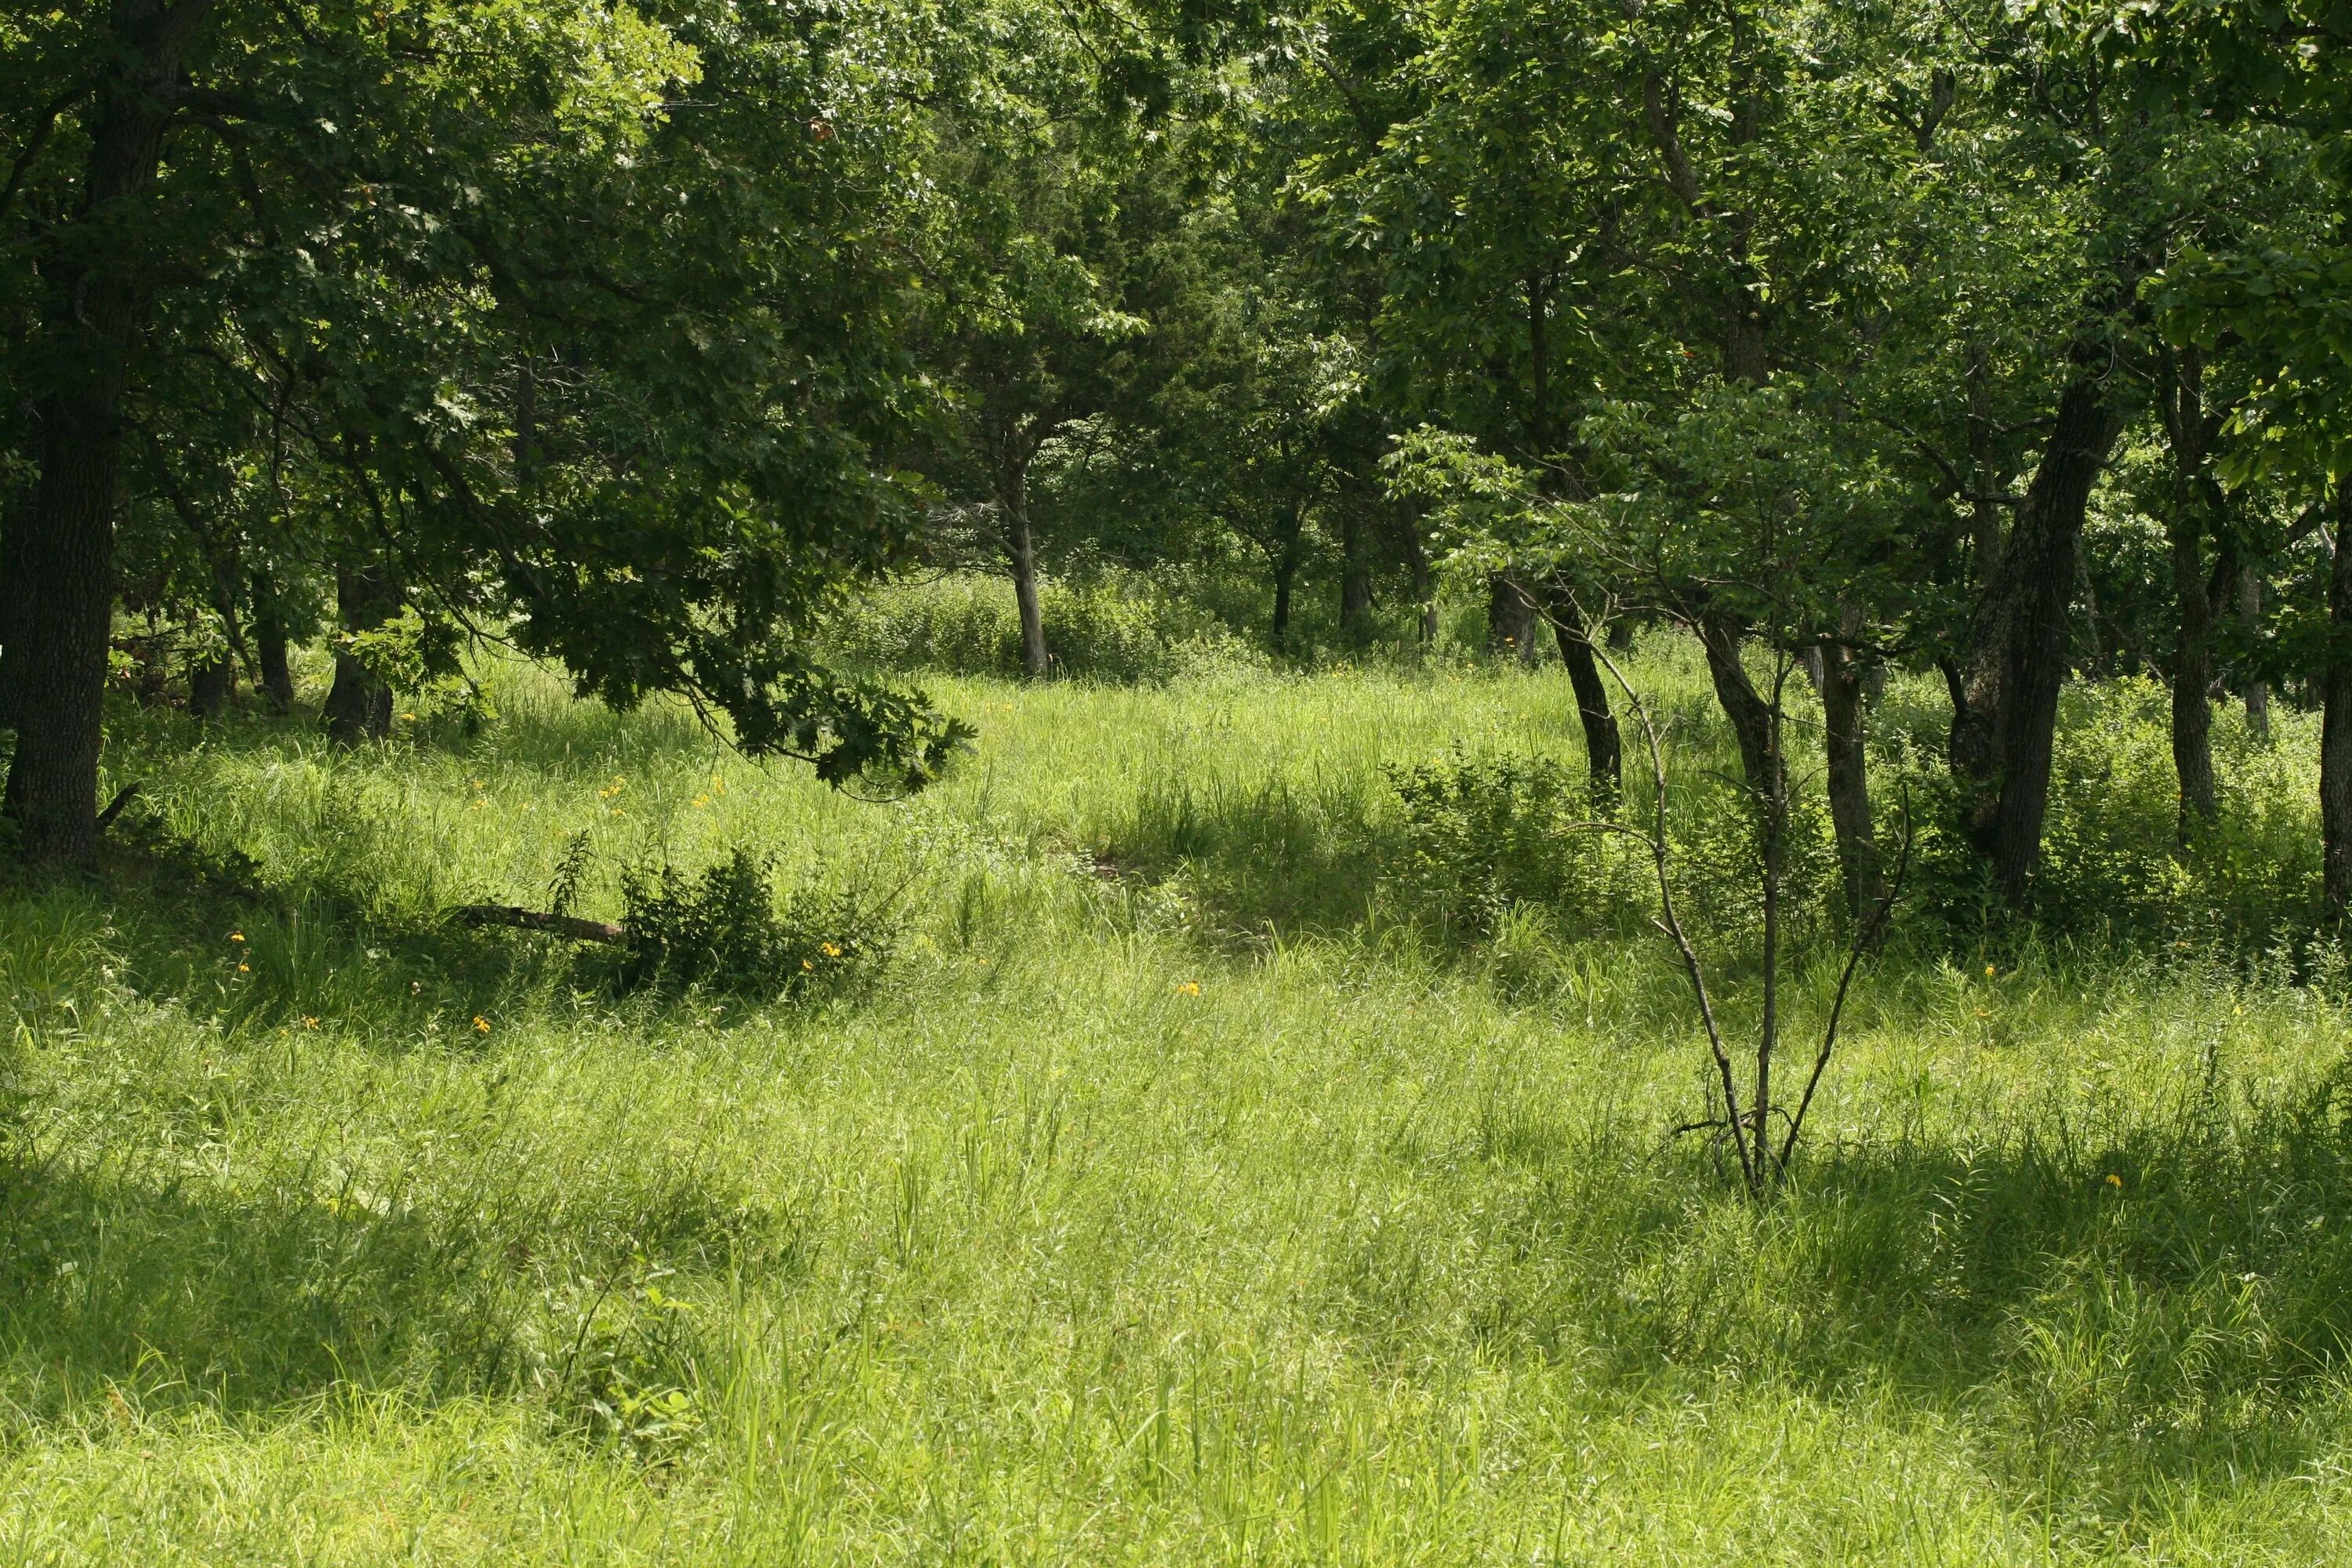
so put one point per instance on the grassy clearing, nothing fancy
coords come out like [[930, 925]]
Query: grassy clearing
[[1177, 1199]]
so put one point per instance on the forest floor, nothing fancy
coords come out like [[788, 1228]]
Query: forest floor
[[1170, 1200]]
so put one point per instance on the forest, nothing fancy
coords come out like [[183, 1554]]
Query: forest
[[1176, 780]]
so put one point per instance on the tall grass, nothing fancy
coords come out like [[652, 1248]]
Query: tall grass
[[1183, 1197]]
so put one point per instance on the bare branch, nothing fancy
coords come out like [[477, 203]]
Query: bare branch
[[1865, 939]]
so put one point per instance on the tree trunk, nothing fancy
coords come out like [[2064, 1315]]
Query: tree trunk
[[1845, 730], [212, 684], [2257, 691], [2335, 724], [1285, 562], [359, 705], [1021, 556], [2037, 582], [1750, 715], [64, 551], [273, 674], [15, 603], [1424, 587], [1510, 618], [1603, 747], [1355, 579], [2192, 675]]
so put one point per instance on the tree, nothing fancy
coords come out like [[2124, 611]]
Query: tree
[[374, 221]]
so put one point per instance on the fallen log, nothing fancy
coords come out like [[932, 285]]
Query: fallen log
[[572, 926]]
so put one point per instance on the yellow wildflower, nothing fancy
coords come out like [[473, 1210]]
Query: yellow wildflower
[[1988, 972], [481, 1025], [829, 950], [244, 969], [236, 936], [2114, 1180], [1190, 988]]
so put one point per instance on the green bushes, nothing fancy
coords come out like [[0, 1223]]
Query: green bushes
[[1481, 835], [724, 929], [2116, 866]]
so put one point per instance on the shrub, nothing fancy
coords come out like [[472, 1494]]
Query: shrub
[[1482, 834], [2114, 867], [724, 928]]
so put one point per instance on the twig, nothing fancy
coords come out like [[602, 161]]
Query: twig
[[1864, 941], [1670, 923], [114, 808]]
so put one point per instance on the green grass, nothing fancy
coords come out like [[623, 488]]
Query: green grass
[[1179, 1198]]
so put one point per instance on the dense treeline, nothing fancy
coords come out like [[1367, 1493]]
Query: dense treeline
[[2006, 342]]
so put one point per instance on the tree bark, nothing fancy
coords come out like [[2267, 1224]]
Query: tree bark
[[1510, 618], [2257, 692], [359, 705], [1285, 562], [1750, 715], [1355, 579], [1844, 734], [1021, 556], [2037, 582], [64, 552], [212, 686], [2196, 501], [2335, 723], [1424, 586], [273, 672], [1603, 746]]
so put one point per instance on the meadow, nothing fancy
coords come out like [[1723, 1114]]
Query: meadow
[[1180, 1191]]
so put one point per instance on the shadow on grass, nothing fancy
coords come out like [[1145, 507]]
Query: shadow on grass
[[2119, 1312], [163, 919]]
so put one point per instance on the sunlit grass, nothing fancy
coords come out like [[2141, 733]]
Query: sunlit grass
[[1177, 1200]]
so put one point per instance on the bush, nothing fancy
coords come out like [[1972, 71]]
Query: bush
[[723, 928], [1484, 834], [2114, 867]]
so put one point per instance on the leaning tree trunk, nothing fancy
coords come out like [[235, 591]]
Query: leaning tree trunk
[[359, 705], [2335, 725], [2039, 569], [1750, 715], [1603, 746], [2005, 694], [1844, 729], [63, 554]]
